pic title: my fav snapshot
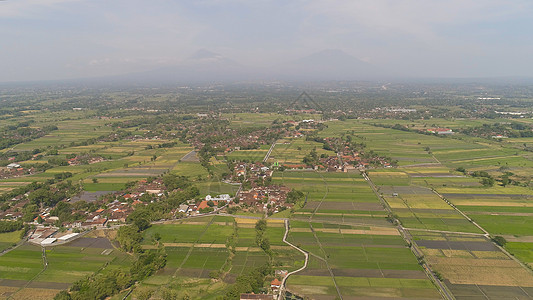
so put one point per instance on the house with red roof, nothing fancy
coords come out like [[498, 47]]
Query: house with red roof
[[275, 284]]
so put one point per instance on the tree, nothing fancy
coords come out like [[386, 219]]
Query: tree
[[487, 181], [505, 181], [144, 293], [294, 195], [173, 181], [500, 240], [168, 294], [63, 295], [9, 226], [129, 238], [29, 212], [261, 225], [311, 159], [141, 223]]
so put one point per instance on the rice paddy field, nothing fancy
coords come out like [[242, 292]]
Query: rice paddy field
[[8, 239], [223, 247], [473, 267], [354, 251], [256, 155], [24, 275], [418, 190], [293, 150], [124, 161]]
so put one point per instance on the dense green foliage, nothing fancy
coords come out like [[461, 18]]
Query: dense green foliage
[[10, 226], [251, 282]]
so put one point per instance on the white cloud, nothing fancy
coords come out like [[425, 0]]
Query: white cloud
[[28, 8], [414, 17], [91, 36]]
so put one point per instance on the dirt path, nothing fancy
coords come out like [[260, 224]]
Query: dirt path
[[486, 233], [407, 237], [192, 248], [295, 271], [318, 240], [45, 266]]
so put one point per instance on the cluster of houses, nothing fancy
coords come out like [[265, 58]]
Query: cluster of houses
[[440, 131], [226, 140], [302, 111], [118, 207], [117, 210], [346, 160], [154, 187], [251, 172], [270, 198], [14, 212], [84, 160], [209, 204], [15, 170], [392, 111], [261, 194], [46, 236]]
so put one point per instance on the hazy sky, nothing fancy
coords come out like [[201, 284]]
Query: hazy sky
[[55, 39]]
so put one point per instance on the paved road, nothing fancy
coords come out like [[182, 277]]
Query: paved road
[[269, 151], [191, 156]]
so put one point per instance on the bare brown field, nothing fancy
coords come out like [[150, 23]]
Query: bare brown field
[[490, 254], [6, 291], [481, 271], [98, 242], [35, 294], [103, 233], [49, 285], [457, 245], [310, 290], [492, 203], [457, 253], [496, 263], [371, 231], [486, 275], [332, 214], [11, 183]]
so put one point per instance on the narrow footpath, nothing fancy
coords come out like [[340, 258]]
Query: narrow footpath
[[282, 287]]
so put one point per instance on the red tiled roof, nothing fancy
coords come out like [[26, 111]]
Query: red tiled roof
[[203, 204], [275, 282]]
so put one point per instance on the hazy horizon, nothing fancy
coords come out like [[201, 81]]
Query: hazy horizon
[[69, 39]]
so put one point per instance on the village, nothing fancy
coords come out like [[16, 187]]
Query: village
[[113, 209], [257, 193]]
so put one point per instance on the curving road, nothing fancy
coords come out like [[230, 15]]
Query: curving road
[[282, 286]]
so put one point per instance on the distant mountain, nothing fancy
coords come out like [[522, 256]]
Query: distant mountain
[[207, 66], [332, 64]]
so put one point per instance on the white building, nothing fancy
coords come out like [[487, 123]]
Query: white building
[[223, 197], [48, 241]]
